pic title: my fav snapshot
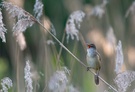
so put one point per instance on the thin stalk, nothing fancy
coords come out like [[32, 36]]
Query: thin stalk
[[63, 38], [62, 45], [44, 88], [74, 50], [35, 87], [17, 67], [83, 41], [73, 63], [46, 65], [76, 57]]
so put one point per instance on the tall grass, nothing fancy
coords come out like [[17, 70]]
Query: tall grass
[[56, 66]]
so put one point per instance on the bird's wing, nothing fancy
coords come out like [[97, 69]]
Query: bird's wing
[[99, 56]]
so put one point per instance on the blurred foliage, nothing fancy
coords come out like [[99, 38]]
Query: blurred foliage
[[44, 57], [4, 68]]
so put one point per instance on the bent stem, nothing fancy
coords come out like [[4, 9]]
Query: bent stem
[[76, 57]]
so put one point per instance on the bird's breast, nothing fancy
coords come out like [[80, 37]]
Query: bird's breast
[[92, 62]]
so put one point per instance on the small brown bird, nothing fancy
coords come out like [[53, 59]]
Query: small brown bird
[[93, 60]]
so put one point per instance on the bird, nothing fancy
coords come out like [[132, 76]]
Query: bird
[[93, 61]]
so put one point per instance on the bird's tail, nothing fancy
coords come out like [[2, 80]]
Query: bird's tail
[[96, 79]]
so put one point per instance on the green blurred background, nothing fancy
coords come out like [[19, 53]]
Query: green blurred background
[[44, 57]]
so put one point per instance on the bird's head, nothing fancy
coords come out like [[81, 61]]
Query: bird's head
[[91, 46]]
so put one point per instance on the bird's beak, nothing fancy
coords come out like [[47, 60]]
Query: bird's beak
[[88, 45]]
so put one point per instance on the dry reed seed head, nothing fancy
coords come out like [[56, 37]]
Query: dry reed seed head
[[3, 30], [124, 80], [50, 42], [22, 25], [2, 34], [111, 36], [119, 58], [71, 31], [131, 10], [66, 70], [27, 77], [75, 18], [6, 84], [34, 73], [24, 19], [97, 11], [38, 9], [14, 10], [58, 82]]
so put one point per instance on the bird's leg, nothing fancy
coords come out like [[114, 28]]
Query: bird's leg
[[88, 68]]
